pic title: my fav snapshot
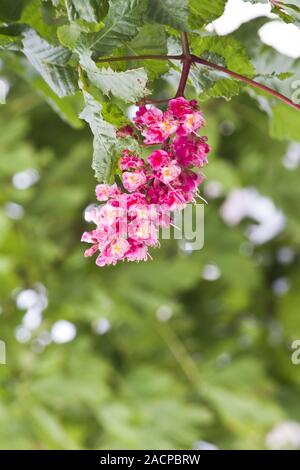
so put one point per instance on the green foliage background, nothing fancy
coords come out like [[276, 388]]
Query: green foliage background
[[219, 368]]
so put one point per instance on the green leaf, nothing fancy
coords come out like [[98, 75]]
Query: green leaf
[[129, 85], [13, 29], [151, 39], [124, 18], [11, 10], [232, 51], [113, 114], [67, 107], [104, 137], [288, 11], [8, 43], [170, 12], [285, 123], [224, 51], [204, 11], [273, 69], [50, 61], [32, 15], [212, 83], [92, 11], [68, 35]]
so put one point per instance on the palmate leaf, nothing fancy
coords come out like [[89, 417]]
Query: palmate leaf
[[225, 51], [232, 51], [92, 11], [151, 39], [129, 85], [51, 63], [104, 137], [204, 11], [122, 22], [170, 12]]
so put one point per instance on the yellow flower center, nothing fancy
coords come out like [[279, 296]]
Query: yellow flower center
[[133, 178], [111, 213], [166, 172], [166, 126], [117, 248], [190, 121]]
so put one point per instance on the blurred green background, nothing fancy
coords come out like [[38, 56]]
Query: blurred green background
[[190, 350]]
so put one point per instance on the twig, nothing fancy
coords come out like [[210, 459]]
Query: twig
[[253, 83], [187, 62], [188, 59], [139, 57]]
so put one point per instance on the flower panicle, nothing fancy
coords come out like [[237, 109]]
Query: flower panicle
[[129, 219]]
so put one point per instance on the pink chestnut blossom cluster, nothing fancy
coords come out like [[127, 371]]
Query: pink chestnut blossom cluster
[[128, 221]]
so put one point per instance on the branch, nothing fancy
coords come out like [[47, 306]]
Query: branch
[[139, 57], [250, 82], [187, 62], [188, 59]]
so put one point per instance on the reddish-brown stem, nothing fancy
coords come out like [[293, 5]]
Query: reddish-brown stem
[[253, 83], [188, 59], [187, 62], [139, 57]]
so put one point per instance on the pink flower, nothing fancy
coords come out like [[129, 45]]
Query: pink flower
[[168, 125], [109, 215], [190, 150], [113, 252], [133, 181], [153, 135], [129, 222], [180, 106], [135, 198], [147, 117], [192, 122], [158, 159], [174, 200], [105, 191], [141, 212], [94, 237], [168, 173], [143, 230], [129, 161], [189, 181], [91, 251], [118, 248], [137, 252], [155, 125]]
